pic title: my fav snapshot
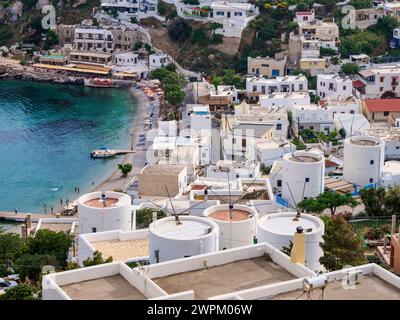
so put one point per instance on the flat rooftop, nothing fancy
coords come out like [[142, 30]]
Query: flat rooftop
[[122, 250], [303, 159], [163, 169], [99, 203], [238, 275], [370, 288], [363, 142], [108, 288]]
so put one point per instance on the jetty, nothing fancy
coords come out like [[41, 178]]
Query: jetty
[[21, 217], [106, 153]]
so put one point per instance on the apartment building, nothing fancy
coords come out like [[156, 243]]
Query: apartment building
[[333, 86], [315, 66], [380, 79], [104, 39], [267, 67], [256, 86], [130, 8], [368, 17], [326, 32]]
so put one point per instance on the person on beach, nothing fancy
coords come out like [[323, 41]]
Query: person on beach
[[16, 211]]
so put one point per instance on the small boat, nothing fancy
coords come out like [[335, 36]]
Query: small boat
[[99, 83], [102, 153]]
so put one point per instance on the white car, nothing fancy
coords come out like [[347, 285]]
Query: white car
[[6, 284]]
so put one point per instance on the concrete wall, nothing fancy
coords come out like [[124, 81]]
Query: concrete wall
[[52, 283], [86, 248]]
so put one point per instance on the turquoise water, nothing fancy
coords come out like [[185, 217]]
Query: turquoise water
[[46, 134]]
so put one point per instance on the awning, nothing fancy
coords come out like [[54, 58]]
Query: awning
[[366, 73]]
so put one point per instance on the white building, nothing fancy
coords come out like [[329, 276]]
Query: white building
[[234, 16], [280, 229], [285, 100], [106, 211], [380, 79], [392, 9], [130, 8], [353, 124], [126, 59], [390, 174], [363, 160], [256, 86], [304, 16], [191, 236], [158, 60], [240, 132], [333, 86], [391, 137], [231, 170], [302, 176], [200, 118], [270, 150], [362, 60], [322, 118]]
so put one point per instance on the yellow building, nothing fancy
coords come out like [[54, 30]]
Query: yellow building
[[313, 65]]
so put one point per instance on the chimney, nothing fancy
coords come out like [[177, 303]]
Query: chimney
[[393, 227], [298, 253], [155, 216]]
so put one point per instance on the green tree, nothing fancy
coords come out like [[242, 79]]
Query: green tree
[[96, 260], [361, 4], [327, 200], [373, 200], [361, 42], [51, 243], [342, 247], [125, 168], [179, 30], [144, 217], [30, 265], [175, 97], [230, 78], [264, 169], [11, 245], [385, 26], [350, 69], [21, 292], [392, 200], [51, 40]]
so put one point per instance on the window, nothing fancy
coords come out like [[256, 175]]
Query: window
[[386, 113], [371, 180], [220, 13], [372, 162], [238, 14], [300, 87], [279, 183], [279, 126], [311, 127], [397, 148], [94, 230], [307, 179], [382, 79]]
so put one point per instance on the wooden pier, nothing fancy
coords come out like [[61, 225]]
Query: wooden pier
[[21, 217]]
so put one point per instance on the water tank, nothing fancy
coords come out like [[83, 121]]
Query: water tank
[[302, 176], [98, 212], [192, 236], [236, 227], [363, 160], [278, 230]]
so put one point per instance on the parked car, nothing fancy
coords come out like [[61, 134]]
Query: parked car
[[6, 284]]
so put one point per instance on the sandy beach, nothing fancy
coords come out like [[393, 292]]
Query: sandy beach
[[115, 181]]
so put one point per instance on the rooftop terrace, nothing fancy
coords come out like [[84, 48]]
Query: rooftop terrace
[[122, 250], [108, 288], [371, 287], [238, 275]]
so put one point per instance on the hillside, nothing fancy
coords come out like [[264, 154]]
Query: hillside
[[20, 21]]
